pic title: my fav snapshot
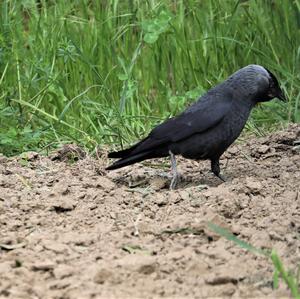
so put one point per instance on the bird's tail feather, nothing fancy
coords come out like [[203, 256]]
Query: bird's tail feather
[[130, 160], [120, 154], [124, 153]]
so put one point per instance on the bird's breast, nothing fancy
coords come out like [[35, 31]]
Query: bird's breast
[[233, 124]]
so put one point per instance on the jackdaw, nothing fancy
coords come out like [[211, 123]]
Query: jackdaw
[[209, 126]]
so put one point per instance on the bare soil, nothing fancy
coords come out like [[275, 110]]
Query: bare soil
[[71, 230]]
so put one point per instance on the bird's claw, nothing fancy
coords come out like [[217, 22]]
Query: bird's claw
[[221, 177], [174, 181]]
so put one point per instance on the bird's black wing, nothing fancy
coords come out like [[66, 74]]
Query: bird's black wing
[[200, 117]]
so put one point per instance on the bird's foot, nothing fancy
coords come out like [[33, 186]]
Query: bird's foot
[[174, 181], [174, 172], [221, 177], [215, 168]]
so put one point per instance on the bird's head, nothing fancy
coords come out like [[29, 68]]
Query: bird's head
[[274, 90], [258, 83]]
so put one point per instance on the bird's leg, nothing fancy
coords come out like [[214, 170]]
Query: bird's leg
[[215, 168], [173, 171]]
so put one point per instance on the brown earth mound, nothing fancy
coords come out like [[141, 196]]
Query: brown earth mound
[[69, 230]]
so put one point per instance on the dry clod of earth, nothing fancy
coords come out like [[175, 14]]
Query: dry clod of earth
[[70, 230]]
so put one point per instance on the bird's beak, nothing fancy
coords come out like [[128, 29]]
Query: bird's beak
[[281, 96]]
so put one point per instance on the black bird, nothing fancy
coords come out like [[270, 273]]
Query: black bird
[[209, 126]]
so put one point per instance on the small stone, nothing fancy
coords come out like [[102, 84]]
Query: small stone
[[161, 199], [158, 183], [275, 236], [69, 152], [233, 150], [102, 276], [174, 197], [112, 215], [62, 271], [184, 195], [3, 159], [142, 264], [61, 187], [216, 280], [55, 246], [263, 149], [261, 240], [105, 183], [78, 239], [60, 284], [43, 266], [253, 185], [147, 269], [29, 156], [65, 204], [236, 229], [226, 274]]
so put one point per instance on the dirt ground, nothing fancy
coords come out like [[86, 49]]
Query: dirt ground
[[71, 230]]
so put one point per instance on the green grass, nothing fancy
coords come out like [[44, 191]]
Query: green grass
[[289, 278], [105, 72]]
